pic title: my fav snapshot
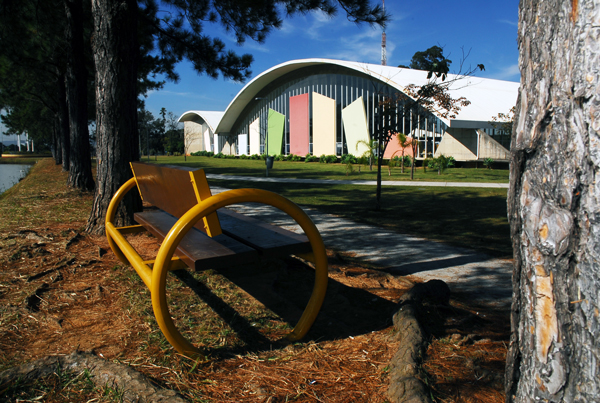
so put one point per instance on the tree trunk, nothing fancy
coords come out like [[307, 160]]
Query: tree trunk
[[116, 56], [553, 206], [57, 140], [80, 164], [63, 117]]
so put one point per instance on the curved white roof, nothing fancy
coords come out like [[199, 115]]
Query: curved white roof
[[212, 118], [488, 96]]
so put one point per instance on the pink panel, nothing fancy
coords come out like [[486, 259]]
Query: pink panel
[[393, 146], [299, 125]]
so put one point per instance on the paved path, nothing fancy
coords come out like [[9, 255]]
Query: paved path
[[357, 182], [470, 274]]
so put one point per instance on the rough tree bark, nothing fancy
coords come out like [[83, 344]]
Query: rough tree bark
[[554, 205], [116, 56], [63, 123], [80, 163]]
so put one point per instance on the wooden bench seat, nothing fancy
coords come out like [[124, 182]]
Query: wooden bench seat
[[194, 228]]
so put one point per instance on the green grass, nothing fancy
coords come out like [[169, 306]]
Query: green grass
[[315, 170], [467, 217]]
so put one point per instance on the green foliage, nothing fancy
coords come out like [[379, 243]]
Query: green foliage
[[328, 159], [311, 158], [255, 157], [203, 154], [349, 168], [225, 156], [488, 162], [440, 163], [433, 61], [280, 157], [348, 159], [243, 157], [293, 157]]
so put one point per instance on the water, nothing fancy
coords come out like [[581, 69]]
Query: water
[[10, 175]]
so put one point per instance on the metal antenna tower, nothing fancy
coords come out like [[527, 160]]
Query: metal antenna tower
[[383, 52]]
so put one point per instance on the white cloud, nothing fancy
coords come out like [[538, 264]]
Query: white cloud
[[513, 23], [508, 73]]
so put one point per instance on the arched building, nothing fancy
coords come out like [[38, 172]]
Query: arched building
[[322, 106]]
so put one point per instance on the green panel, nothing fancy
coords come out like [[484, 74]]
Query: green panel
[[275, 132]]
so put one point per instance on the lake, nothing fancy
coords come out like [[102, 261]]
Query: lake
[[10, 175]]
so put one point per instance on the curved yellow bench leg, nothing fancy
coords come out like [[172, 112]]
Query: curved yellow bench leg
[[112, 211], [208, 206]]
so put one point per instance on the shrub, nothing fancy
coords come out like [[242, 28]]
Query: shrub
[[243, 157], [348, 159], [311, 158], [255, 157], [293, 157], [488, 162], [219, 155], [328, 159], [279, 157], [440, 163]]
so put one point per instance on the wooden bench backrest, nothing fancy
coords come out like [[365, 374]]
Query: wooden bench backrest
[[175, 190]]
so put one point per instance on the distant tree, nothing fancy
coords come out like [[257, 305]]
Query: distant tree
[[503, 123], [432, 97], [370, 151], [403, 142], [433, 61]]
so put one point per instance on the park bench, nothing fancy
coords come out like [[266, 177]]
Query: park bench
[[197, 232]]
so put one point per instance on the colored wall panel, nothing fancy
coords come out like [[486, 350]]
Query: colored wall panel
[[355, 127], [242, 144], [394, 147], [299, 125], [324, 129], [255, 137], [275, 133]]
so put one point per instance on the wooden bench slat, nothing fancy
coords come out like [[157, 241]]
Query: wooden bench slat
[[196, 249], [264, 237]]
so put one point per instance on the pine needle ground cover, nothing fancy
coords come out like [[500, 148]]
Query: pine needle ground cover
[[63, 290]]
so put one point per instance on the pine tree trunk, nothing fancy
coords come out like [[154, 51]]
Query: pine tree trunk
[[63, 120], [57, 140], [553, 206], [115, 56], [80, 164]]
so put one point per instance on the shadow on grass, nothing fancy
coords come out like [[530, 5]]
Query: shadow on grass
[[284, 287]]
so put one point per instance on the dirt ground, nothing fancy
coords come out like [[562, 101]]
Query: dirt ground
[[63, 290]]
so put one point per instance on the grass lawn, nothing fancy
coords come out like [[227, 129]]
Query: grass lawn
[[467, 217], [315, 170]]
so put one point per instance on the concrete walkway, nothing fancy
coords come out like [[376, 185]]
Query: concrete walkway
[[471, 275], [357, 182]]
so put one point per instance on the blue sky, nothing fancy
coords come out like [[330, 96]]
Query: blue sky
[[488, 29]]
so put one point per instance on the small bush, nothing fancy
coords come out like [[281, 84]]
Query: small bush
[[311, 158], [219, 155], [293, 157], [255, 157], [488, 162], [328, 159], [243, 157], [348, 159], [280, 157]]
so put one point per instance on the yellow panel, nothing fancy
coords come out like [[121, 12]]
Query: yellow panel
[[355, 127], [323, 126]]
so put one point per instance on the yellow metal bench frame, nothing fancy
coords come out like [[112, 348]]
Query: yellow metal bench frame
[[155, 277]]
